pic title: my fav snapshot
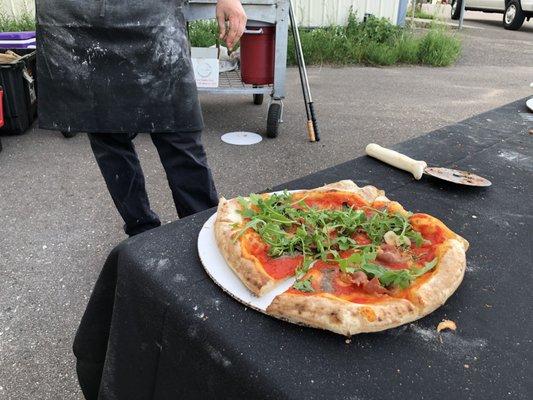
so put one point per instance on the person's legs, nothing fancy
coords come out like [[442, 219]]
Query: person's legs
[[120, 167], [189, 177]]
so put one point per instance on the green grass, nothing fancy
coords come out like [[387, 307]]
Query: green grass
[[438, 49], [203, 33], [24, 22], [377, 42], [374, 42], [407, 48], [420, 14], [424, 15], [381, 54]]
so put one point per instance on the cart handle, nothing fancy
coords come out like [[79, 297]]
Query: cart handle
[[254, 31]]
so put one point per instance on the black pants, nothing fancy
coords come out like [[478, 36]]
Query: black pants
[[185, 163]]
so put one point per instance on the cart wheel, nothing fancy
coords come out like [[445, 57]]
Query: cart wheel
[[258, 99], [274, 115], [68, 134]]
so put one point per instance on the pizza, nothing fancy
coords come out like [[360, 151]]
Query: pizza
[[362, 263]]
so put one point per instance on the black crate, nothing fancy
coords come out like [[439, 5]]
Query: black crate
[[1, 89], [20, 100]]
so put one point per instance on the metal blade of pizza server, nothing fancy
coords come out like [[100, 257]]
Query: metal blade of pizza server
[[457, 176]]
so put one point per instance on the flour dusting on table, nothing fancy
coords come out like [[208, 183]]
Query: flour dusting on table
[[452, 343]]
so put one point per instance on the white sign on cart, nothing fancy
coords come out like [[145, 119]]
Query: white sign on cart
[[205, 66]]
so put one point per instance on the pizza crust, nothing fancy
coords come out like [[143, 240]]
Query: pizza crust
[[368, 193], [254, 277], [341, 316], [444, 281], [329, 312], [250, 273]]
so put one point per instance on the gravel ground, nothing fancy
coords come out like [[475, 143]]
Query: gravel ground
[[59, 222]]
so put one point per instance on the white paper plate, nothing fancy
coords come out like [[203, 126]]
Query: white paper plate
[[241, 138], [529, 104], [216, 267]]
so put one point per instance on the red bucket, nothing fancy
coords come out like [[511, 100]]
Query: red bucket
[[257, 55]]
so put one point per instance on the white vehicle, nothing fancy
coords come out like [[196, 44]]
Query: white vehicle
[[514, 11]]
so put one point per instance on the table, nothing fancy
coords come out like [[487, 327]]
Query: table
[[156, 327]]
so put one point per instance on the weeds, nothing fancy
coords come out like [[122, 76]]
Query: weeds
[[203, 33], [24, 22], [375, 42], [408, 49], [419, 14], [438, 49], [424, 15], [381, 54]]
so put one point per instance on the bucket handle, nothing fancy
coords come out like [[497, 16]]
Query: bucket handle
[[254, 31]]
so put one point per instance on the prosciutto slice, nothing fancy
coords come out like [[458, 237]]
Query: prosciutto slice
[[388, 253]]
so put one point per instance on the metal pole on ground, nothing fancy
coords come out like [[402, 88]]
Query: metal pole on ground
[[312, 125], [461, 16]]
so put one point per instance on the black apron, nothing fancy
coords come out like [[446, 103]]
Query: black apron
[[115, 66]]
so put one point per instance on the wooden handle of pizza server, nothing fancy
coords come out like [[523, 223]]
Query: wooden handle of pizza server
[[311, 131], [396, 159]]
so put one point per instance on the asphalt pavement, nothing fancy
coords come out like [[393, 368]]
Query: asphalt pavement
[[58, 221]]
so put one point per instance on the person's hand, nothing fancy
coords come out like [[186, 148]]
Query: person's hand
[[230, 11]]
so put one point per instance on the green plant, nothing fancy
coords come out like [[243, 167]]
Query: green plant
[[23, 22], [407, 48], [424, 15], [375, 41], [381, 53], [378, 30], [203, 33], [438, 48], [420, 14]]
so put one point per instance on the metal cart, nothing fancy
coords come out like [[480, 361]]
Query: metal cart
[[269, 11]]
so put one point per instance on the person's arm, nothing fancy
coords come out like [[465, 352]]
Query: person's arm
[[232, 12]]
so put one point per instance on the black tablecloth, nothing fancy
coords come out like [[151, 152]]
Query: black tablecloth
[[156, 327]]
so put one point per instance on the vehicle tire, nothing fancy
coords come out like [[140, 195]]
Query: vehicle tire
[[68, 134], [456, 9], [0, 145], [274, 116], [513, 17], [258, 99]]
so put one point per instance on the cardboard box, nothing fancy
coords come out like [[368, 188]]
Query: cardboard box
[[205, 65]]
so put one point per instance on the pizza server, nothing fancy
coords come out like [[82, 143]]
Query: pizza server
[[418, 168]]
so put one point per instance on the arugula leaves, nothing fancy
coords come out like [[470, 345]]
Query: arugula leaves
[[401, 278], [417, 272], [293, 227], [304, 285], [356, 261], [382, 222]]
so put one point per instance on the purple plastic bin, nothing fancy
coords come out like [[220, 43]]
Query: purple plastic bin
[[17, 35], [17, 40], [15, 44]]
